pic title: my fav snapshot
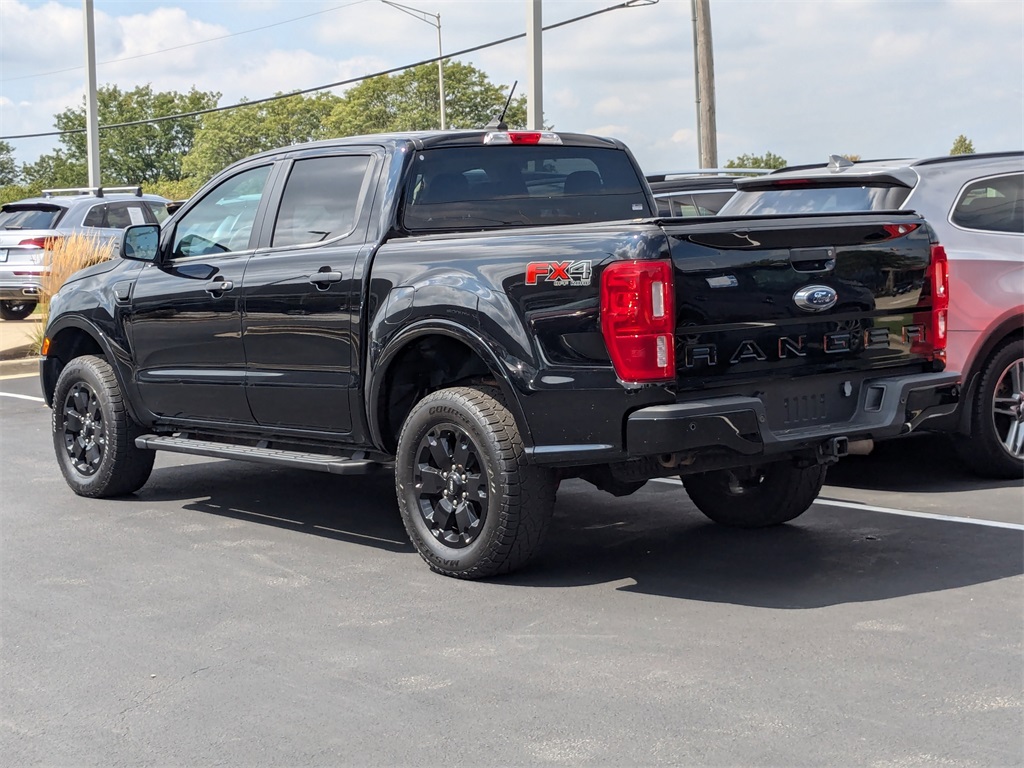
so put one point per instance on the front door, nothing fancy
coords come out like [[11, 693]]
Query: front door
[[185, 315]]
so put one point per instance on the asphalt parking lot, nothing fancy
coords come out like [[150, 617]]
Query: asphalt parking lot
[[228, 614]]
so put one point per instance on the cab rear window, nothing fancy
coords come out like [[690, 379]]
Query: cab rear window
[[507, 186]]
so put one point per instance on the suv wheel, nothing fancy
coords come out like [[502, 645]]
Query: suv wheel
[[471, 502], [755, 497], [93, 434], [995, 447], [17, 309]]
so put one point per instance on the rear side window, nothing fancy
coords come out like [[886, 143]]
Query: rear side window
[[118, 215], [508, 186], [320, 199], [813, 198], [40, 217], [992, 205]]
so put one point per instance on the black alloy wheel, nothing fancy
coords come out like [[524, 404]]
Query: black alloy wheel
[[93, 433], [471, 501], [451, 486]]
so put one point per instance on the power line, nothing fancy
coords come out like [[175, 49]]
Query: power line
[[189, 45], [304, 91]]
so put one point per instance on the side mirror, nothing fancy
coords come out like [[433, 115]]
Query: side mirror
[[141, 242]]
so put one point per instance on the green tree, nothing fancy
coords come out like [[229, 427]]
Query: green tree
[[236, 133], [768, 160], [130, 155], [9, 173], [409, 101], [962, 146]]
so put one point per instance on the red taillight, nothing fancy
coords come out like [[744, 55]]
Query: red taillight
[[638, 320], [940, 298], [898, 230], [40, 242]]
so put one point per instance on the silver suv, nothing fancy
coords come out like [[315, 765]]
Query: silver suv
[[27, 227], [975, 203]]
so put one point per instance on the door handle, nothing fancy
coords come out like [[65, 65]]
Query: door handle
[[219, 286], [324, 278]]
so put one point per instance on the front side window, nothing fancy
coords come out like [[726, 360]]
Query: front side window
[[320, 199], [993, 205], [223, 220]]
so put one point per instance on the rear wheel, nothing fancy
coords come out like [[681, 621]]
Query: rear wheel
[[755, 497], [17, 309], [93, 434], [471, 502], [995, 447]]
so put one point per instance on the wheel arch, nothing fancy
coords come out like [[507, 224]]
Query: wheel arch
[[70, 338], [423, 358], [1009, 329]]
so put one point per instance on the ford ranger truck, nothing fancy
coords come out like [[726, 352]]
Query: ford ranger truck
[[484, 314]]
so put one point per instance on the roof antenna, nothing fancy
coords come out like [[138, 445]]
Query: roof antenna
[[498, 123]]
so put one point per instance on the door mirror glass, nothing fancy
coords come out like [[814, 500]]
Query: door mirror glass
[[141, 242]]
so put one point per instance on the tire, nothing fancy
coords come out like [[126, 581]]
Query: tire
[[17, 309], [755, 497], [995, 447], [463, 444], [93, 434]]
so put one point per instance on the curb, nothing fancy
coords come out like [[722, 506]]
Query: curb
[[17, 361]]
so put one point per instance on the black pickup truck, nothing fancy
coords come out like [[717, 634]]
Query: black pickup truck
[[486, 313]]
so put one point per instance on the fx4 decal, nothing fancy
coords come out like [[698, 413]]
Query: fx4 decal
[[573, 273]]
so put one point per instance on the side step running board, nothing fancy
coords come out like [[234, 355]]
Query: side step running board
[[336, 465]]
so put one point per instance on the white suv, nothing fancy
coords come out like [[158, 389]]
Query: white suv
[[28, 226], [975, 204]]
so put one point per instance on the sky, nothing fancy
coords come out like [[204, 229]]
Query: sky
[[799, 78]]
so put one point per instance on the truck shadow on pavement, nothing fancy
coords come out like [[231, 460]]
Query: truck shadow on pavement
[[917, 464], [654, 539]]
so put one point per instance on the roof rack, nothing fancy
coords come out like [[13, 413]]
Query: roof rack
[[98, 191]]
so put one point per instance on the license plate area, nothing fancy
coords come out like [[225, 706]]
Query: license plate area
[[3, 254], [797, 405]]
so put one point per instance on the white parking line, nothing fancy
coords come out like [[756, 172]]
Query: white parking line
[[891, 511], [22, 397], [19, 376]]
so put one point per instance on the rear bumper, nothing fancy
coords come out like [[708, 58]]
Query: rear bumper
[[887, 407]]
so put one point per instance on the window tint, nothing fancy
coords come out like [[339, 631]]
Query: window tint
[[691, 204], [222, 221], [118, 215], [45, 217], [480, 187], [320, 199], [995, 205], [816, 199]]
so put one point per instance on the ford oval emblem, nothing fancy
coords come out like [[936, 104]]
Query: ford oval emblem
[[815, 298]]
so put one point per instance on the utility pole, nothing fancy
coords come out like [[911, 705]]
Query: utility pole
[[92, 126], [704, 80], [535, 88]]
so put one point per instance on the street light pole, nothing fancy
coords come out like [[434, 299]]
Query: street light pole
[[92, 130], [434, 20]]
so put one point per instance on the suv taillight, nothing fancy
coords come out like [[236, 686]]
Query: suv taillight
[[940, 298], [40, 242], [638, 320]]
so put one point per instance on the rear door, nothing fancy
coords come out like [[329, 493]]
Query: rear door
[[301, 296]]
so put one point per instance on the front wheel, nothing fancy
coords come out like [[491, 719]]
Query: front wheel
[[17, 309], [995, 447], [755, 497], [93, 433], [471, 502]]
